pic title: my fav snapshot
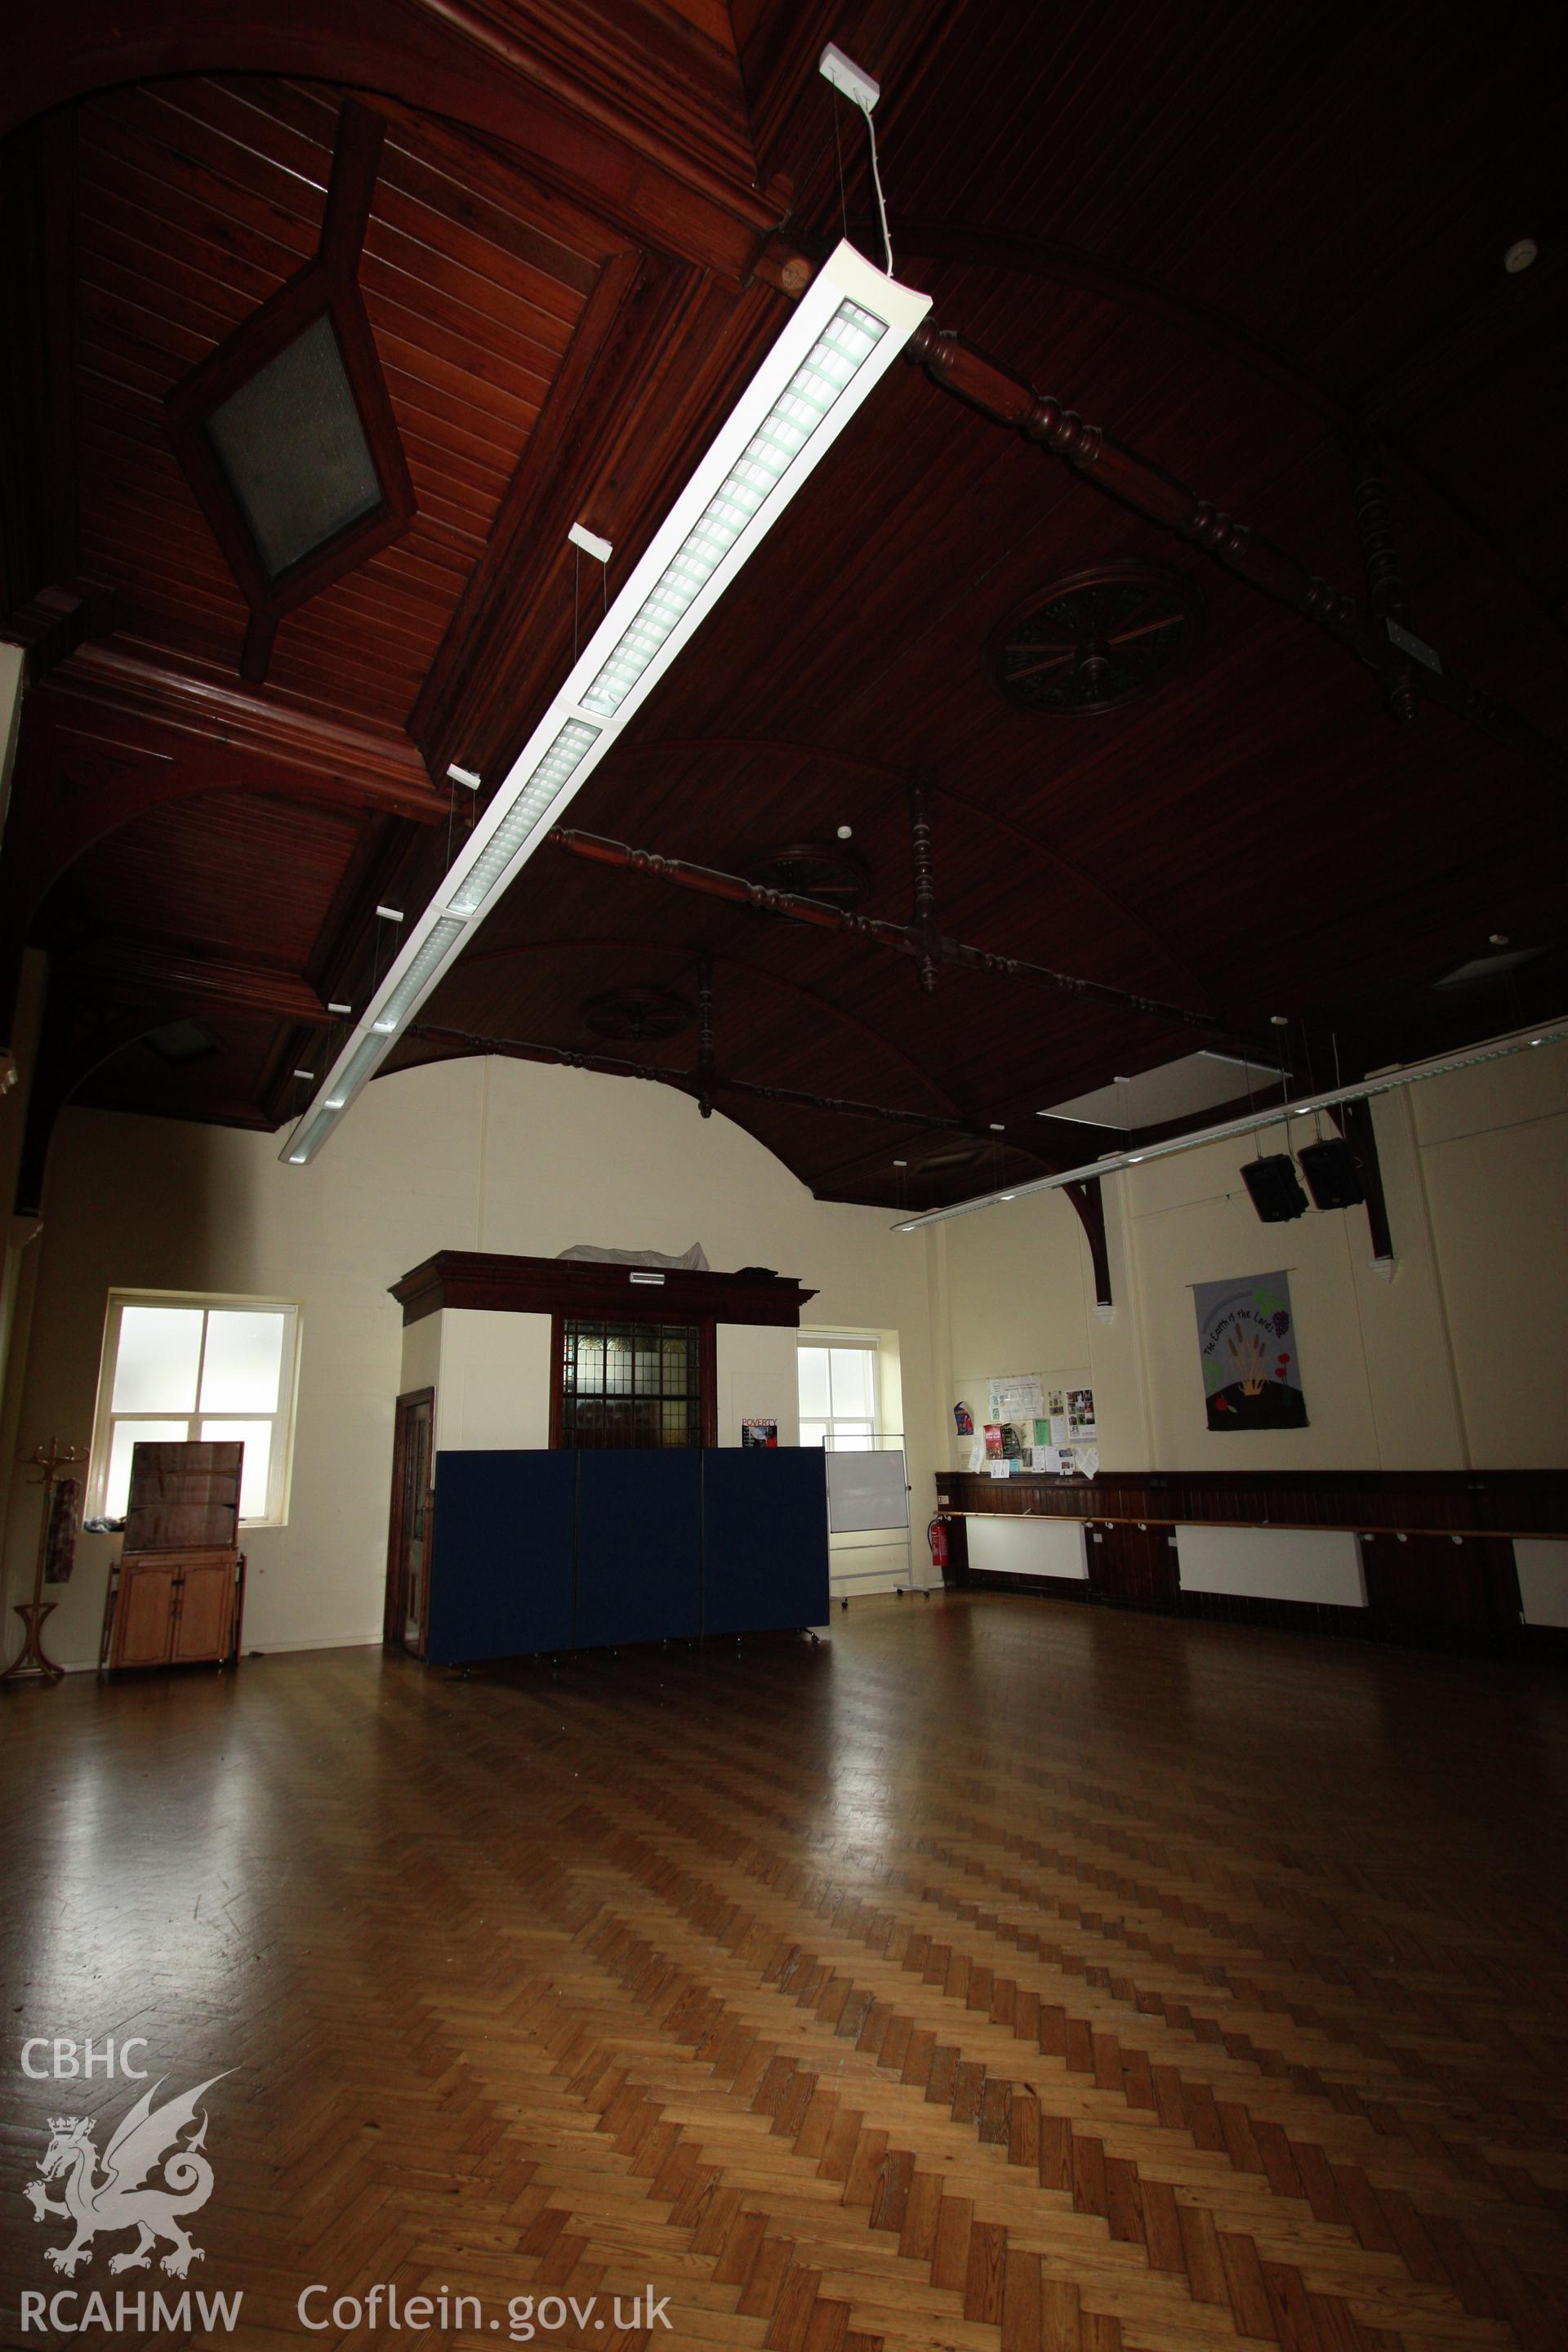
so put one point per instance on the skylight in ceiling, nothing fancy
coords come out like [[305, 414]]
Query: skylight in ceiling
[[294, 452], [1172, 1090]]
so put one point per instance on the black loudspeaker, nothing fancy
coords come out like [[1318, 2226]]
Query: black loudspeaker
[[1333, 1176], [1276, 1194]]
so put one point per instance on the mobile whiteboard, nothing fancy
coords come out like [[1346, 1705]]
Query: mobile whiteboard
[[867, 1490]]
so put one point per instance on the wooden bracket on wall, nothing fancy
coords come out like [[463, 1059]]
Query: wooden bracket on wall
[[1354, 1121], [1090, 1202]]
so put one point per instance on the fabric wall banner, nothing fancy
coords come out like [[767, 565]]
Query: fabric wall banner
[[1247, 1343]]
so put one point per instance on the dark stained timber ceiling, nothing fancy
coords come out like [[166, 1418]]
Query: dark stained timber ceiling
[[1265, 252]]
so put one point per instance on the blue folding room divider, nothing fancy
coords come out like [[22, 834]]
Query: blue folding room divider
[[500, 1566], [569, 1550], [765, 1529], [639, 1548]]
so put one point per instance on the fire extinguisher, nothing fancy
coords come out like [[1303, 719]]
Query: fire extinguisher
[[936, 1535]]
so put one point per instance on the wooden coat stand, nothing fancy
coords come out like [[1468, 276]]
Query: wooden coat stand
[[33, 1665]]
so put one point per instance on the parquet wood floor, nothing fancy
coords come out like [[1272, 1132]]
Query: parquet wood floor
[[1000, 1974]]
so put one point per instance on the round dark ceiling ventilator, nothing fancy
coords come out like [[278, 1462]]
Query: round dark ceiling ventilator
[[813, 869], [1095, 640], [640, 1016]]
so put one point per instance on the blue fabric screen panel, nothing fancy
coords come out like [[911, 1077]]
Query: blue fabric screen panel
[[500, 1568], [765, 1538], [639, 1546]]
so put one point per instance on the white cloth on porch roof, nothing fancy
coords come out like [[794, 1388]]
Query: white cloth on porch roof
[[692, 1261]]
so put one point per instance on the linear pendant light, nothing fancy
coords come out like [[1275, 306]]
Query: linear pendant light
[[846, 331], [1386, 1082]]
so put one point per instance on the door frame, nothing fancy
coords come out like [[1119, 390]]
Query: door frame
[[393, 1614]]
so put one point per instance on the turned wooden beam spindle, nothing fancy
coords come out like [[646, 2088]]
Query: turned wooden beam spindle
[[705, 1058], [930, 950], [1385, 590]]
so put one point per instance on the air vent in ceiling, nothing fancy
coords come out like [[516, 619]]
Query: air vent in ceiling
[[948, 1159], [813, 869], [1097, 640], [640, 1016]]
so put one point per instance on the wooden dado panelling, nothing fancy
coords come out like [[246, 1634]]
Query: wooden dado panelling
[[1411, 1501], [1434, 1548]]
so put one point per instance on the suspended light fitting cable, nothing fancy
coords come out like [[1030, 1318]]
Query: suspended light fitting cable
[[853, 82], [845, 333]]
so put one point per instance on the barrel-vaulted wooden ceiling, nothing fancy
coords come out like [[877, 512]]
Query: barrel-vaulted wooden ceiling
[[1264, 247]]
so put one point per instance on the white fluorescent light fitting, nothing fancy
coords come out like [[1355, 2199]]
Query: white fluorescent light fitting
[[846, 332], [1386, 1082]]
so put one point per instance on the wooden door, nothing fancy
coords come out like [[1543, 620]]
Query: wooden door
[[1134, 1567], [408, 1535], [1435, 1589], [202, 1621], [146, 1613]]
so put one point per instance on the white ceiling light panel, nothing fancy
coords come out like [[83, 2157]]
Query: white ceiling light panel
[[846, 331]]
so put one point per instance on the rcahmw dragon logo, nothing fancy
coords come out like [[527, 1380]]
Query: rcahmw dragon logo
[[120, 2196]]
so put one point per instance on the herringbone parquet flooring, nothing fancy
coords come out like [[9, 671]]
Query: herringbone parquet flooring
[[1001, 1973]]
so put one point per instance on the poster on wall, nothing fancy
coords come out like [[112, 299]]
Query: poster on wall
[[759, 1432], [1016, 1397], [1080, 1417], [1246, 1345]]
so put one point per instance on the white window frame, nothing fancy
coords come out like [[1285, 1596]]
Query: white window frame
[[865, 1343], [280, 1464]]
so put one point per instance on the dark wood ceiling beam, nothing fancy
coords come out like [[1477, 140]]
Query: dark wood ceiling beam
[[695, 1080], [677, 162], [113, 736], [872, 931], [1125, 473], [155, 971], [260, 743], [53, 622], [1131, 290]]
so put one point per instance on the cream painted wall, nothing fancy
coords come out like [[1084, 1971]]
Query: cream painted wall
[[757, 1381], [1493, 1146], [1456, 1362], [493, 1388], [466, 1155], [422, 1361]]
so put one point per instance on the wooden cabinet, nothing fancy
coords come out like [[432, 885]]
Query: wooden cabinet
[[176, 1609], [177, 1590]]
